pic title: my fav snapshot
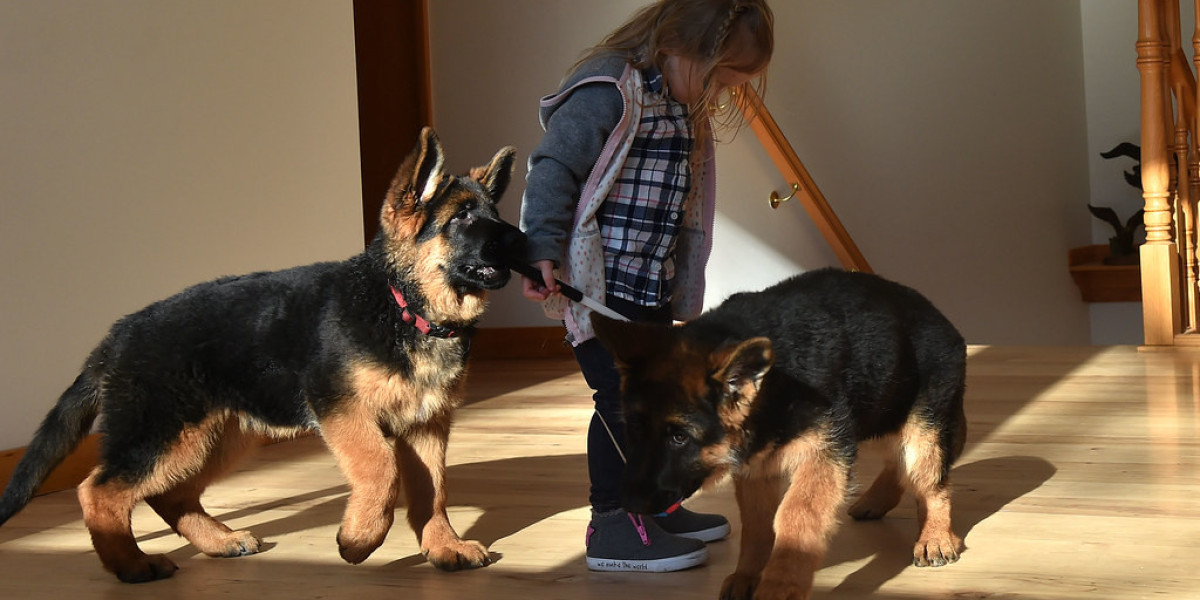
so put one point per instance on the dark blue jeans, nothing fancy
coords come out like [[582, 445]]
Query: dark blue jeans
[[605, 465]]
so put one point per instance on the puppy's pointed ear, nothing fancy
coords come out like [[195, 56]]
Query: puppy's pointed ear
[[496, 176], [739, 368], [422, 170], [416, 181], [628, 342]]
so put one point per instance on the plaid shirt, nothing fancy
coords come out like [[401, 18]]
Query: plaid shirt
[[640, 218]]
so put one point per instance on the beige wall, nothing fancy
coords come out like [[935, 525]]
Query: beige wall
[[146, 145], [949, 136]]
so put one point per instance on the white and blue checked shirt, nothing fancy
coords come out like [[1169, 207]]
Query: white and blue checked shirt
[[640, 218]]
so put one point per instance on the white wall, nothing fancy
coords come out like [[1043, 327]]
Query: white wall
[[147, 145], [1113, 113], [949, 136]]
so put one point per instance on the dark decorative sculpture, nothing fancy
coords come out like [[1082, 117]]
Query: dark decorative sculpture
[[1134, 176], [1121, 249], [1121, 246]]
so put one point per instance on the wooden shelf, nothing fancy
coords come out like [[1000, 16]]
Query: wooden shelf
[[1099, 282]]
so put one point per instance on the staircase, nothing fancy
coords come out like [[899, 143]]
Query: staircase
[[803, 188], [1169, 176]]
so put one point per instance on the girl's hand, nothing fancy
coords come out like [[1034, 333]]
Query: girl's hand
[[540, 290]]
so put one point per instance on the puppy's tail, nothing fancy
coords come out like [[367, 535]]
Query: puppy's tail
[[61, 431]]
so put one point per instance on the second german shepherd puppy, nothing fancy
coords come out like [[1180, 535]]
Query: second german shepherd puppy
[[369, 352], [777, 388]]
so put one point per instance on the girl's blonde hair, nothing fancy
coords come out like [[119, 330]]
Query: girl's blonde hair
[[738, 34]]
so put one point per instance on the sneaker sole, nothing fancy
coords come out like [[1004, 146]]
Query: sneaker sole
[[658, 565], [711, 534]]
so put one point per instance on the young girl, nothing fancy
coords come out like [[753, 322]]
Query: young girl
[[620, 200]]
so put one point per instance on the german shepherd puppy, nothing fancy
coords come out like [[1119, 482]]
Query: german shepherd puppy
[[777, 388], [369, 352]]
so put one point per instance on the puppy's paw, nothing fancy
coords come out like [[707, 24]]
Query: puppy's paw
[[147, 567], [356, 548], [458, 555], [237, 543], [937, 551], [739, 586]]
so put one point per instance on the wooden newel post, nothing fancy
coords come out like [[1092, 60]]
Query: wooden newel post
[[1159, 257]]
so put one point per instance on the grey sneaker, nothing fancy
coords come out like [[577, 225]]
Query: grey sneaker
[[698, 526], [619, 541]]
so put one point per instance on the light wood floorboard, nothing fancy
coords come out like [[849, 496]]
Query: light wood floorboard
[[1081, 479]]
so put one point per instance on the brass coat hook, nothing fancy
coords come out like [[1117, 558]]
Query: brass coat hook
[[776, 200]]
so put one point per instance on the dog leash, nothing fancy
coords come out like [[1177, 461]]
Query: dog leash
[[571, 293], [577, 296]]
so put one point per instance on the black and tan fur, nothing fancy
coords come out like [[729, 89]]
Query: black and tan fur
[[777, 389], [186, 385]]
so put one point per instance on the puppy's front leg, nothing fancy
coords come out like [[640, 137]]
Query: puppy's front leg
[[368, 460], [422, 453], [758, 499], [804, 523]]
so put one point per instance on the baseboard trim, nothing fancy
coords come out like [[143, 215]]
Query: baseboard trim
[[520, 343], [489, 344]]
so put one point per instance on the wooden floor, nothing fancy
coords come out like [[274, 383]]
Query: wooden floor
[[1081, 479]]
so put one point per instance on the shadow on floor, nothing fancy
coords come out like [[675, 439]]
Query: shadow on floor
[[889, 542]]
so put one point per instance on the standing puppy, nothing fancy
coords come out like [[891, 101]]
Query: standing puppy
[[777, 388], [369, 352]]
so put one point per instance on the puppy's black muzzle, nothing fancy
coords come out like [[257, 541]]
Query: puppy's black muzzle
[[505, 244], [485, 266]]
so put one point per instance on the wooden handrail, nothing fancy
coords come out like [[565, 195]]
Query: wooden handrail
[[803, 186]]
